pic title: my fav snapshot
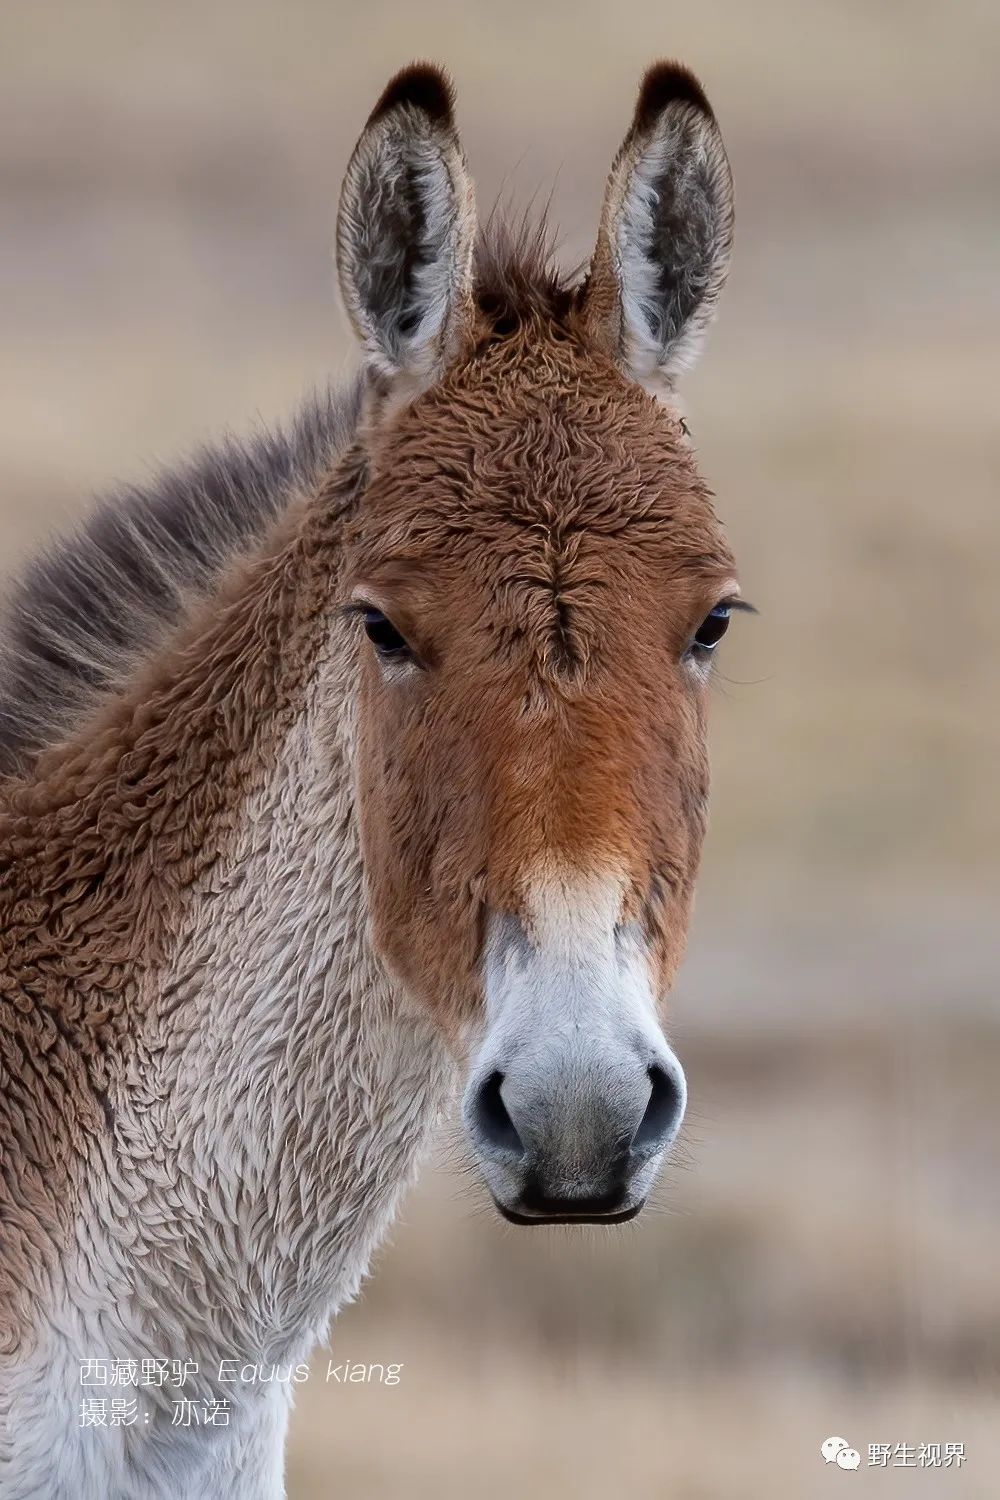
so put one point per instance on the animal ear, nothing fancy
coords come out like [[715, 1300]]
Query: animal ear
[[406, 227], [666, 233]]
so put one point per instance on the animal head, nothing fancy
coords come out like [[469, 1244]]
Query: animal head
[[543, 582]]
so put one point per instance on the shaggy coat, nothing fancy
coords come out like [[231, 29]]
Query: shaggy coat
[[343, 767]]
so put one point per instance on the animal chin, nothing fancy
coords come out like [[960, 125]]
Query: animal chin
[[620, 1216]]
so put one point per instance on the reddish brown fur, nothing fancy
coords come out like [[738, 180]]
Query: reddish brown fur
[[537, 529], [105, 843]]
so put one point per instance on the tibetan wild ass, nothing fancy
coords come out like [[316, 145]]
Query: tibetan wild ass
[[341, 766]]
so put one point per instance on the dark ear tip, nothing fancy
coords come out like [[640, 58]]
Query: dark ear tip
[[422, 86], [668, 83]]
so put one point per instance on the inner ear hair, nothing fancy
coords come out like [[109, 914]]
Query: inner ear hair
[[406, 226], [666, 232]]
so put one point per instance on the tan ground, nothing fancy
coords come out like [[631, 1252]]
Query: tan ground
[[824, 1258]]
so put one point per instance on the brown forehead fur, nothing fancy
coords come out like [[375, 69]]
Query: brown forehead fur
[[537, 478]]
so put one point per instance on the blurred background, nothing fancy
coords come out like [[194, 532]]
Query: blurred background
[[823, 1257]]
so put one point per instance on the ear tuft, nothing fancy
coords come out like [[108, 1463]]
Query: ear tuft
[[667, 83], [422, 86]]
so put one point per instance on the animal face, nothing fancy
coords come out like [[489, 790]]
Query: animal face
[[542, 581]]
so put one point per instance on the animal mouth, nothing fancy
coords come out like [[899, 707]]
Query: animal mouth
[[568, 1216]]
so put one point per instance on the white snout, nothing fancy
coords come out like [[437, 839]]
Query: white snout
[[574, 1095]]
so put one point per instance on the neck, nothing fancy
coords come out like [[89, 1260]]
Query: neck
[[246, 1094]]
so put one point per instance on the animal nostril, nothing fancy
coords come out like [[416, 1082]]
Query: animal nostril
[[492, 1117], [662, 1110]]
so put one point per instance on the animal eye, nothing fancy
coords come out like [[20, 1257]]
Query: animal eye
[[383, 635], [712, 628]]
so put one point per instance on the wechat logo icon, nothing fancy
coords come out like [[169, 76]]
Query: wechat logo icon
[[837, 1450]]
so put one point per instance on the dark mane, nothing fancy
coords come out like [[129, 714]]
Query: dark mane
[[83, 611], [517, 275]]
